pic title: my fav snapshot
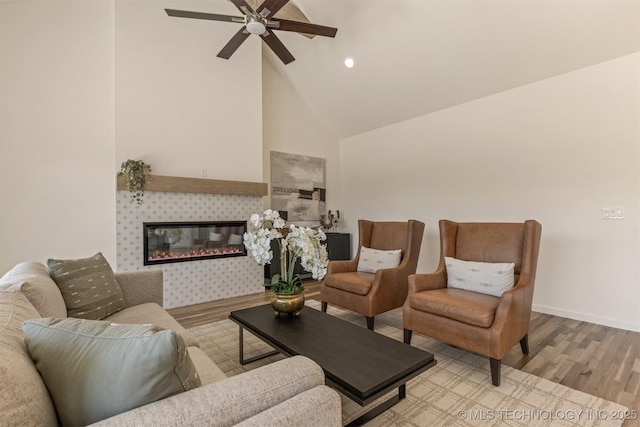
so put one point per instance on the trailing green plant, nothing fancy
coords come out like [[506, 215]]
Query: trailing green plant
[[136, 173]]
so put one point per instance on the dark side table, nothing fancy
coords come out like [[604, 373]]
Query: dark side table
[[338, 248]]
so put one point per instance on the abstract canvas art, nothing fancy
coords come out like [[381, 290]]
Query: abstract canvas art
[[298, 189]]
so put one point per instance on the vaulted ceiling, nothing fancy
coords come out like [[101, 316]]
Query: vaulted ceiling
[[414, 57]]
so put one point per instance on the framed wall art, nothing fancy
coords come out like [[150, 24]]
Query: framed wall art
[[298, 186]]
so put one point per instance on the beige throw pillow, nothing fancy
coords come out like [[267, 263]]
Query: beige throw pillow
[[372, 260], [96, 369], [24, 400], [88, 286], [34, 281], [483, 277]]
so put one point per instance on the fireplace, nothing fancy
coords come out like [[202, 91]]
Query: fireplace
[[167, 242]]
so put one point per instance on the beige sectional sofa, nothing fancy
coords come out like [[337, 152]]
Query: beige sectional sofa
[[282, 393]]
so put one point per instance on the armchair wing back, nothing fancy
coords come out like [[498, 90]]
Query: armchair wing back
[[371, 294], [487, 242], [473, 321]]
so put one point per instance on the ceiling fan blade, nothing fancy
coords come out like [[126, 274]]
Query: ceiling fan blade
[[233, 44], [303, 27], [277, 47], [242, 6], [271, 7], [292, 12], [202, 15]]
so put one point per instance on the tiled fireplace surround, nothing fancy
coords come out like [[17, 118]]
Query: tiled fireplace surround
[[193, 282]]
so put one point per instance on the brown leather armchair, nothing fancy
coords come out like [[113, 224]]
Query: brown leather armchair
[[371, 294], [476, 322]]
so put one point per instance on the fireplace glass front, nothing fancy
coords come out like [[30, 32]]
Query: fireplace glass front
[[166, 242]]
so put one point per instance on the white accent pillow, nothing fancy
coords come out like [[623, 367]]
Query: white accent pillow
[[483, 277], [215, 237], [372, 260], [235, 239]]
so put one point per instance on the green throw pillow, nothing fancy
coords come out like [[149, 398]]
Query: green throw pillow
[[88, 286], [96, 369]]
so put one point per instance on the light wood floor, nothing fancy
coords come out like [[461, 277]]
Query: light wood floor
[[595, 359]]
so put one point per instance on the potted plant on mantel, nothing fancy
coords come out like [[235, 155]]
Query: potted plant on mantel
[[136, 173], [299, 242]]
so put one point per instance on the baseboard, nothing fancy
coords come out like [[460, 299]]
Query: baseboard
[[605, 321]]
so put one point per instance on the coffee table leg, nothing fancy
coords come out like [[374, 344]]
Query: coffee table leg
[[241, 358], [377, 410], [402, 392], [241, 347]]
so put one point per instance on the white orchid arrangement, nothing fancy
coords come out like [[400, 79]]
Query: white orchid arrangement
[[300, 242]]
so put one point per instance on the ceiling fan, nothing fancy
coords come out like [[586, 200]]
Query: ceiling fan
[[259, 20]]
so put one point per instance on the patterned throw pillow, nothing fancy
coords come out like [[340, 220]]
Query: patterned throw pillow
[[372, 260], [97, 369], [483, 277], [88, 286]]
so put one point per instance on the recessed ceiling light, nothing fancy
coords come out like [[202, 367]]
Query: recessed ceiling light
[[348, 63]]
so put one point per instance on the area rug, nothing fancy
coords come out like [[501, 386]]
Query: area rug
[[456, 392]]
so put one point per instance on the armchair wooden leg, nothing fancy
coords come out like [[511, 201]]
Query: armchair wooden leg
[[369, 323], [323, 306], [407, 336], [524, 344], [496, 364]]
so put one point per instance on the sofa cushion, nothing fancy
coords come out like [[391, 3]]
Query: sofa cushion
[[96, 369], [24, 399], [208, 371], [483, 277], [152, 313], [33, 280], [372, 260], [88, 286]]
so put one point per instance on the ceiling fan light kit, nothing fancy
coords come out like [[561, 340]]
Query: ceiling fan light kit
[[257, 21], [256, 27]]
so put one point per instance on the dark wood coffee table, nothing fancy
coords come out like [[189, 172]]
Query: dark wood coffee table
[[361, 364]]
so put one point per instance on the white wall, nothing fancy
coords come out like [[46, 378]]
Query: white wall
[[56, 131], [178, 106], [86, 85], [558, 151], [184, 110], [291, 126]]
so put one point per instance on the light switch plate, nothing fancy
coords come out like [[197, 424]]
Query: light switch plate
[[612, 213]]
